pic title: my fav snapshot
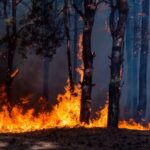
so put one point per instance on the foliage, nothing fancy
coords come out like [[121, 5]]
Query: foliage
[[42, 30]]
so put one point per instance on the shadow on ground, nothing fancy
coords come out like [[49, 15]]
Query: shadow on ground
[[77, 139]]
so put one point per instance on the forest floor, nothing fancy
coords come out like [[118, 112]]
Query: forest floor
[[77, 139]]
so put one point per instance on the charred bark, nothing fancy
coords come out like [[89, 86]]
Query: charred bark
[[66, 25], [76, 16], [86, 98], [78, 3], [118, 32], [11, 50]]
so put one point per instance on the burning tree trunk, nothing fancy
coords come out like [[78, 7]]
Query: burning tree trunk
[[143, 61], [117, 31], [75, 45], [88, 16], [66, 24], [11, 50], [76, 17]]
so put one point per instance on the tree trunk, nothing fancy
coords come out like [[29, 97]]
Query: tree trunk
[[55, 7], [86, 99], [136, 51], [78, 3], [76, 18], [66, 24], [46, 78], [129, 50], [143, 62], [11, 51], [46, 59], [117, 32]]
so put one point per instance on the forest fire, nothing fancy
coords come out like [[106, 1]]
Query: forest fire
[[74, 74], [64, 114]]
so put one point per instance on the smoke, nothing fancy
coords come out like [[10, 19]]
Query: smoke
[[102, 49], [30, 79]]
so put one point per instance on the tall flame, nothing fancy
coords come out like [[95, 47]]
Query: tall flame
[[65, 113]]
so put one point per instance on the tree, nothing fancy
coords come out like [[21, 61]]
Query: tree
[[49, 33], [136, 51], [117, 32], [133, 46], [39, 30], [4, 15], [66, 28], [11, 49], [129, 54], [40, 34], [143, 61], [90, 7], [46, 59], [78, 3]]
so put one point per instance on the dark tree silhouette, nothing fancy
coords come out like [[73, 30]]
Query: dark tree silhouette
[[78, 3], [136, 52], [42, 35], [143, 61], [39, 30], [117, 32], [129, 56], [46, 59], [133, 46], [46, 35], [67, 32], [90, 7], [11, 48]]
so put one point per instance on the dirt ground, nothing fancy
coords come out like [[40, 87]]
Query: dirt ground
[[77, 139]]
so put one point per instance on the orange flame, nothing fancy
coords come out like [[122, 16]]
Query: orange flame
[[80, 69], [65, 113]]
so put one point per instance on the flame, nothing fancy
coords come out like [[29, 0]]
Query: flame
[[65, 113], [132, 125], [15, 73], [79, 55]]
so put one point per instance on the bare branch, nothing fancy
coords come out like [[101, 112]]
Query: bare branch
[[78, 10]]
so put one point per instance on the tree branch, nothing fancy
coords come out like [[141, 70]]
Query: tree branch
[[78, 10]]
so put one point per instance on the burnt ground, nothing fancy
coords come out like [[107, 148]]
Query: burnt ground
[[77, 139]]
